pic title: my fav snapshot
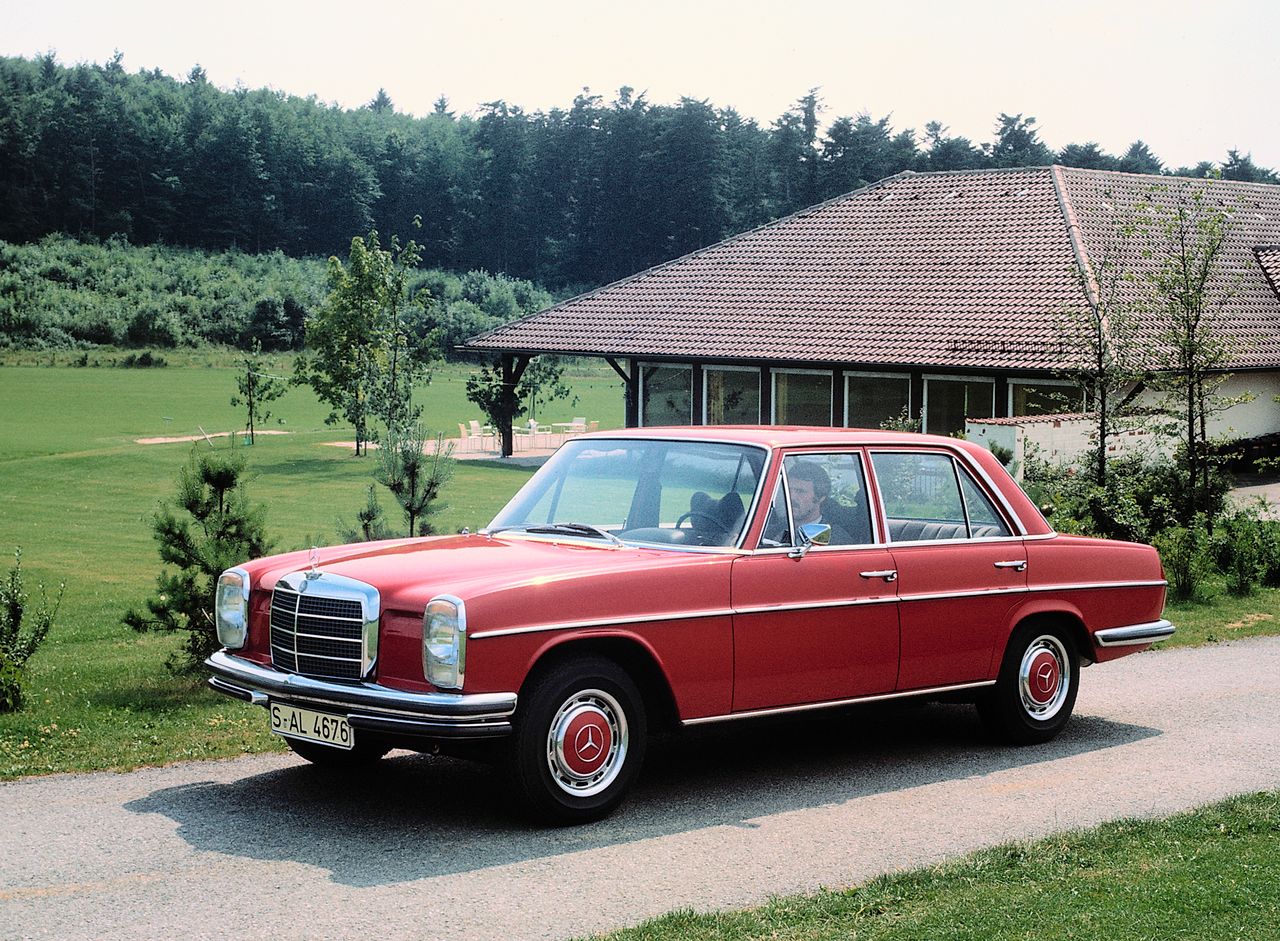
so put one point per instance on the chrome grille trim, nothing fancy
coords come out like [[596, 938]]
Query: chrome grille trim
[[308, 642]]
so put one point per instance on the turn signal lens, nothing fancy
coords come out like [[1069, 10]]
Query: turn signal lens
[[231, 608], [444, 642]]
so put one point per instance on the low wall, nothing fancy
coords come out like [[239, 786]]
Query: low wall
[[1057, 439]]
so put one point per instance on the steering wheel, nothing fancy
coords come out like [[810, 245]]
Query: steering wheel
[[707, 518]]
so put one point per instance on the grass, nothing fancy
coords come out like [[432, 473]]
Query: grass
[[1223, 617], [78, 495], [1212, 873]]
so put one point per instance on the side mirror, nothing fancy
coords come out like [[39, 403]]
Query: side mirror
[[811, 534]]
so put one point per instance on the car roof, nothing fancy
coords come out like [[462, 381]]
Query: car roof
[[777, 436]]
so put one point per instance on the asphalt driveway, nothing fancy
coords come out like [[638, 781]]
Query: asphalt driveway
[[426, 848]]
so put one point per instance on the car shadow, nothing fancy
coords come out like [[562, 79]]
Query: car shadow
[[419, 816]]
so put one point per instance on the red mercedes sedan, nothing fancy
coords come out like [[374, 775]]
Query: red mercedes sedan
[[666, 577]]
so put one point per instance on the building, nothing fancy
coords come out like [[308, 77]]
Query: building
[[941, 294]]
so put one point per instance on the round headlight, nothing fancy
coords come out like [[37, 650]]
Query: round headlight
[[231, 608], [444, 642]]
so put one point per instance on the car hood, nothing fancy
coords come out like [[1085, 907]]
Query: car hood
[[409, 572]]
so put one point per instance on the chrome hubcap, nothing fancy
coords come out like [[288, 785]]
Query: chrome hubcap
[[1044, 677], [587, 743]]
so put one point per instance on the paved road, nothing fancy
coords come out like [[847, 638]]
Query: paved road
[[265, 847]]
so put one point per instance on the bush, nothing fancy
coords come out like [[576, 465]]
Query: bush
[[1238, 552], [142, 360], [1187, 563], [214, 529], [17, 645], [1269, 552], [1138, 502]]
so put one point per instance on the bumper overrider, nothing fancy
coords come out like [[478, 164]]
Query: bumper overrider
[[368, 706]]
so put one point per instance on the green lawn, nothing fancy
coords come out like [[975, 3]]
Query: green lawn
[[1210, 874], [77, 494]]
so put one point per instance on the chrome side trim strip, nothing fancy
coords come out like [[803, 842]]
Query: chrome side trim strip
[[810, 707], [976, 593], [805, 606], [1076, 586], [604, 622], [811, 605], [1134, 634]]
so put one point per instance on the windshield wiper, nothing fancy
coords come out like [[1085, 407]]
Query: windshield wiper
[[577, 529]]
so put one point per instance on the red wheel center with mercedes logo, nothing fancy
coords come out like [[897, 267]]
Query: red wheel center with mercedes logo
[[1044, 677], [587, 742]]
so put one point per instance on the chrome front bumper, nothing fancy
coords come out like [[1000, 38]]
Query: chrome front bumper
[[367, 705], [1134, 634]]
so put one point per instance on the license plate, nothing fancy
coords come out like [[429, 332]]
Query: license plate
[[313, 726]]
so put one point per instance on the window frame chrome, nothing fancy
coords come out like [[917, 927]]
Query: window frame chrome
[[771, 453], [1017, 531]]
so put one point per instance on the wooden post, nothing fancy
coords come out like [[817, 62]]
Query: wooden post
[[631, 402]]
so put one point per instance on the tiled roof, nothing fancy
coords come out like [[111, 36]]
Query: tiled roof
[[1098, 200], [960, 269], [1036, 419], [1269, 259]]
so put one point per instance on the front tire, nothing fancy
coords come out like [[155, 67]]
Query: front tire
[[579, 741], [1036, 689]]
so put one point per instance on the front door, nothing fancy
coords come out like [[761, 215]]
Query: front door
[[822, 626]]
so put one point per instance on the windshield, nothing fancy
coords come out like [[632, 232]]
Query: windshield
[[690, 493]]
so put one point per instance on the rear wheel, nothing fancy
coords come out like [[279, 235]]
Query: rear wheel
[[579, 741], [365, 752], [1036, 689]]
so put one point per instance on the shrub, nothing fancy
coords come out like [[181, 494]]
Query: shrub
[[1186, 560], [1238, 553], [1269, 552], [17, 645], [211, 529], [143, 360], [1138, 501]]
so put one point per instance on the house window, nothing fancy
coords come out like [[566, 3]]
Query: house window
[[730, 395], [666, 395], [949, 400], [1044, 396], [871, 398], [802, 397]]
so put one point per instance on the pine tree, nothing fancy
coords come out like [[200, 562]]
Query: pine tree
[[209, 528]]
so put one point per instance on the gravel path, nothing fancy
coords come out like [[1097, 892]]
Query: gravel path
[[424, 848]]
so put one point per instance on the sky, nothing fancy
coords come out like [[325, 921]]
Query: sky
[[1190, 79]]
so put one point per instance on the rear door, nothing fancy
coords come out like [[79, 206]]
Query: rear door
[[960, 567]]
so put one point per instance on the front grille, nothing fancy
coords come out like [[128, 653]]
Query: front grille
[[316, 635]]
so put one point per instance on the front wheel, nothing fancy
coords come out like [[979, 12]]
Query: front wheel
[[579, 741], [1036, 689]]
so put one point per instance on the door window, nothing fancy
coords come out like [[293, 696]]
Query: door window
[[820, 488], [927, 497]]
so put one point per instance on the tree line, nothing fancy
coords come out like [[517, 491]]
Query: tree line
[[569, 197], [61, 292]]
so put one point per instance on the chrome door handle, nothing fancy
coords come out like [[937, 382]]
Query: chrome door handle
[[889, 575], [1018, 565]]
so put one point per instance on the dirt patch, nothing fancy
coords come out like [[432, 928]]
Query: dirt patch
[[1248, 621], [216, 434]]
